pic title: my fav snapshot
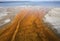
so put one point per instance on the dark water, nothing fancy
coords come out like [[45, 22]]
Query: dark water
[[33, 3]]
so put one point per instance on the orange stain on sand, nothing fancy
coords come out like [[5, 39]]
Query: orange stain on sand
[[28, 26]]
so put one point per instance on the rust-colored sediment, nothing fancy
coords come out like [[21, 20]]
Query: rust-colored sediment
[[28, 26]]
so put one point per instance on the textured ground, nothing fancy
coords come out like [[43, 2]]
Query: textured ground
[[28, 26]]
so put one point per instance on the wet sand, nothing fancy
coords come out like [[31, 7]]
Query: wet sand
[[28, 26]]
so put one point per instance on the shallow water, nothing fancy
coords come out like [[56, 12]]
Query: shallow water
[[27, 25]]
